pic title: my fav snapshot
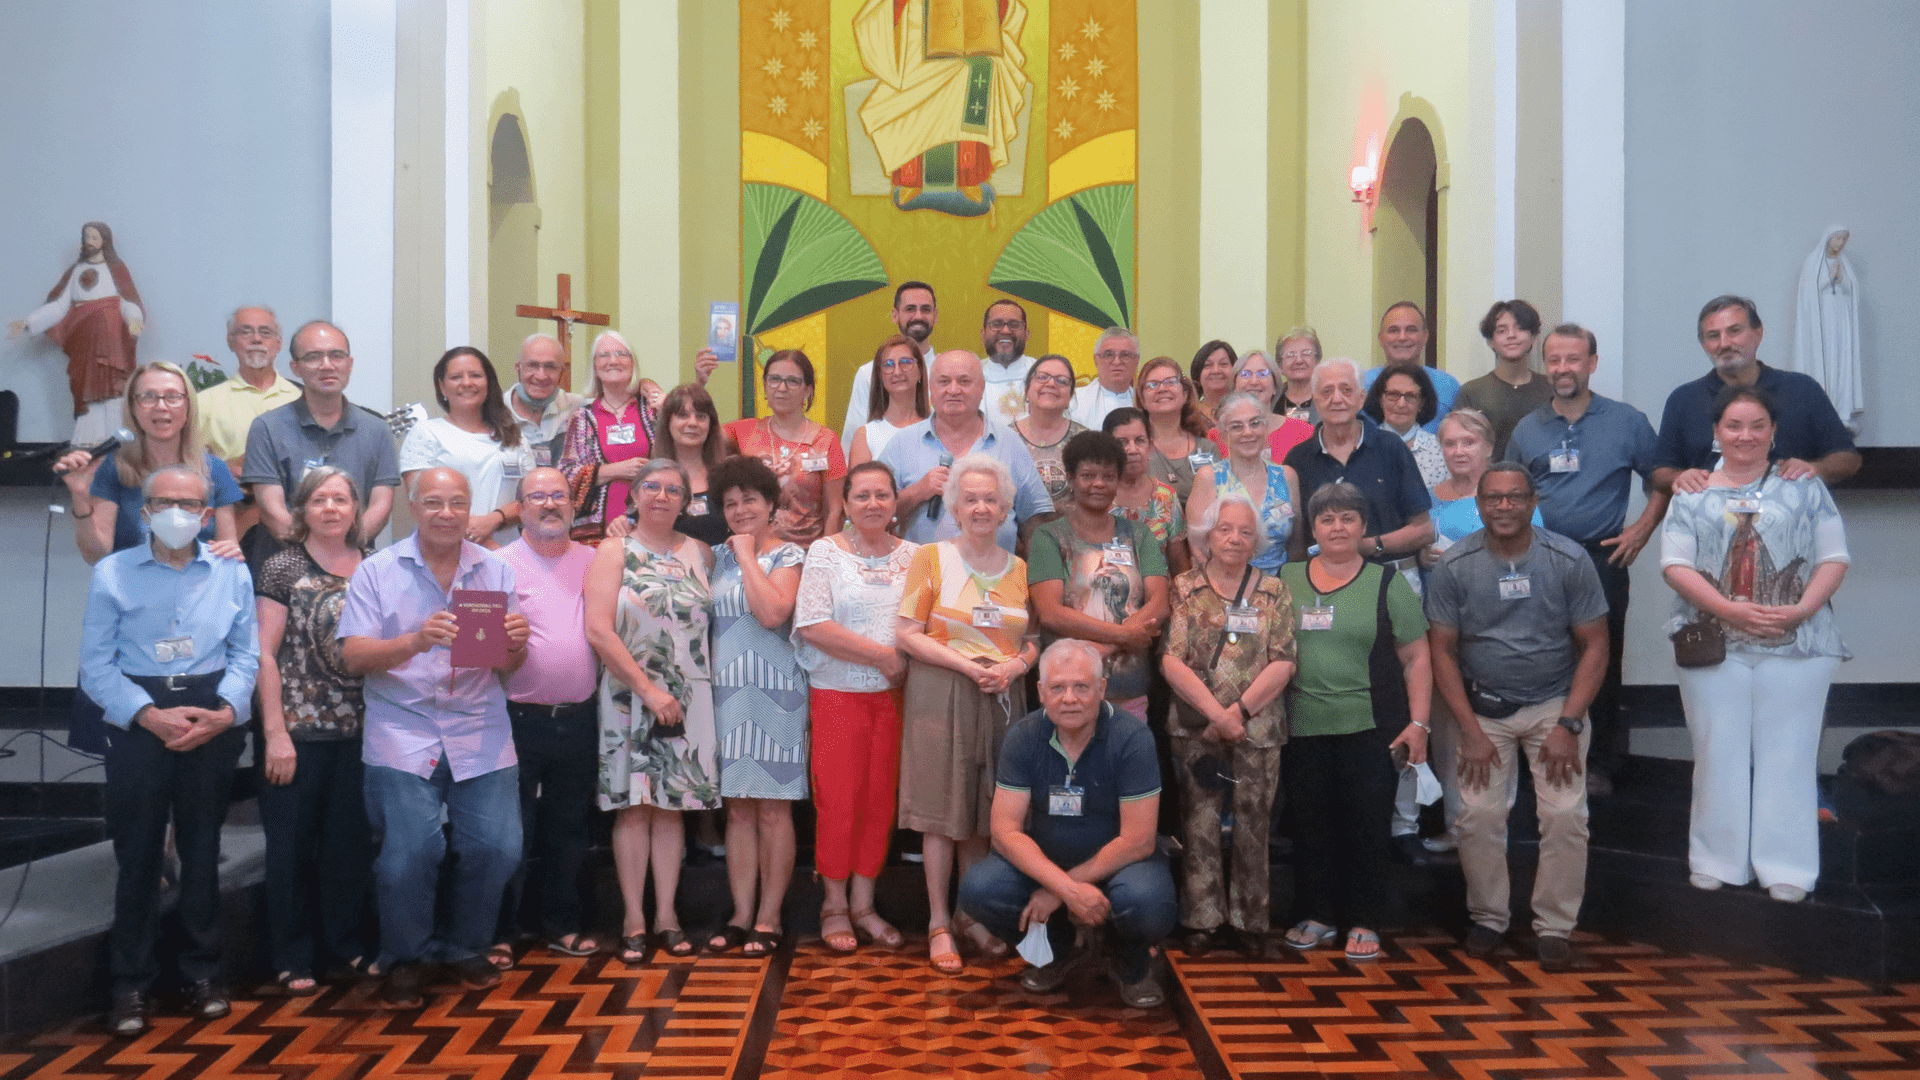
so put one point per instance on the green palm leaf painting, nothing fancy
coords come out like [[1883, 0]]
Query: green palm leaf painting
[[800, 256], [1075, 257]]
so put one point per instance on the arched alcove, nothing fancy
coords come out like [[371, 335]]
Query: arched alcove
[[513, 227], [1409, 220]]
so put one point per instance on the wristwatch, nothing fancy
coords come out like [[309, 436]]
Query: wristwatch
[[1575, 724]]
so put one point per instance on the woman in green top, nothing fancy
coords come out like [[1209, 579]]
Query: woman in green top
[[1359, 697]]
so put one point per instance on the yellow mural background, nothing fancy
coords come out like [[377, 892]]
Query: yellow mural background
[[796, 58]]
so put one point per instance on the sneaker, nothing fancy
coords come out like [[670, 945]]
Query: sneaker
[[1482, 940], [402, 990], [1787, 894], [207, 999], [129, 1015], [1555, 952], [1704, 881]]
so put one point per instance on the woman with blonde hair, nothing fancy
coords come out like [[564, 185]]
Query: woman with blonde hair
[[608, 440], [1175, 423]]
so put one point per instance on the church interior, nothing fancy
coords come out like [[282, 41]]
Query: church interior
[[426, 174]]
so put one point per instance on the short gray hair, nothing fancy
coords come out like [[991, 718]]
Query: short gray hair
[[978, 463], [1238, 398], [662, 464], [1112, 332], [541, 335], [1072, 647], [1203, 525], [1320, 369], [233, 320], [146, 486], [1299, 333]]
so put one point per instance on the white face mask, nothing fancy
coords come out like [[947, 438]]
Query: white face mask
[[173, 527]]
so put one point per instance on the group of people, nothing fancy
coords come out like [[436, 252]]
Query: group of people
[[1220, 581]]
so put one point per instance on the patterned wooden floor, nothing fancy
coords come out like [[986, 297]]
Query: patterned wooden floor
[[1427, 1010]]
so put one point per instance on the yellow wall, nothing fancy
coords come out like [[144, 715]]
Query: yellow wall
[[1362, 58], [536, 50]]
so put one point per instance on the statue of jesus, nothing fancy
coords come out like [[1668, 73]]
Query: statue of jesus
[[93, 314]]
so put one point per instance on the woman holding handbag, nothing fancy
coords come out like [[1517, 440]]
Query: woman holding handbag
[[1754, 560]]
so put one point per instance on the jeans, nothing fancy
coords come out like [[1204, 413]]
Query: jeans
[[1341, 787], [559, 775], [1610, 734], [484, 812], [146, 784], [1560, 883], [1144, 910], [319, 856]]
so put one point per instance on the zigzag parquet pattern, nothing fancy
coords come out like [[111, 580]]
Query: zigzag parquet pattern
[[888, 1016], [551, 1016], [1428, 1009]]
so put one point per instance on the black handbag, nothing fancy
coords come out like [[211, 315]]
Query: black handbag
[[1701, 643]]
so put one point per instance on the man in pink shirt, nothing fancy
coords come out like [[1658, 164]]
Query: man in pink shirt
[[553, 703]]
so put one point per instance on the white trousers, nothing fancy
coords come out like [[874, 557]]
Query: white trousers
[[1755, 722]]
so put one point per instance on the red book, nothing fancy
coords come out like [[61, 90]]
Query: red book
[[481, 640]]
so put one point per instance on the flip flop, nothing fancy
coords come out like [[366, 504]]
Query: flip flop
[[582, 945], [1310, 934], [501, 957], [726, 939], [761, 942], [1357, 937], [296, 985]]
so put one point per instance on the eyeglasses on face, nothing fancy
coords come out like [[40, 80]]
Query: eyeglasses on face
[[1507, 498], [1257, 374], [256, 331], [542, 366], [159, 503], [319, 357], [1402, 396], [1006, 324], [441, 506], [785, 382], [1117, 354], [1169, 383], [173, 399], [894, 363], [1052, 378], [655, 487], [545, 498], [1240, 427]]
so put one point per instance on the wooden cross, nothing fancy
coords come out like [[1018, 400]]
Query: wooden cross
[[564, 317]]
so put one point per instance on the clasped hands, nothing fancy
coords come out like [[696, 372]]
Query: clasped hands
[[1085, 904], [184, 727]]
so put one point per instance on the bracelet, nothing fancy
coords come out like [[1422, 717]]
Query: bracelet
[[1428, 728]]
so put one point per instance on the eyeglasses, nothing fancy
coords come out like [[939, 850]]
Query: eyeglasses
[[1300, 354], [1507, 498], [157, 504], [551, 369], [1116, 354], [1007, 324], [785, 382], [1052, 379], [1257, 373], [1402, 396], [255, 331], [1240, 427], [655, 487], [893, 363], [1161, 384], [441, 506], [172, 399], [545, 498], [317, 358]]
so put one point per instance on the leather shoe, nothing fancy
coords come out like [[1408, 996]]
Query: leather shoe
[[129, 1015], [207, 999], [1482, 940], [1555, 952]]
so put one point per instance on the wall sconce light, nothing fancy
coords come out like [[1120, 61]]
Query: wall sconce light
[[1361, 180]]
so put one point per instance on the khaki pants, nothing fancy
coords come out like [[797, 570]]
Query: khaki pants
[[1561, 881]]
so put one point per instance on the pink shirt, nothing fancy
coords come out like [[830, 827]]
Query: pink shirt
[[610, 452], [560, 667]]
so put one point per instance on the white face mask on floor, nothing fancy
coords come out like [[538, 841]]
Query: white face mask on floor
[[173, 527]]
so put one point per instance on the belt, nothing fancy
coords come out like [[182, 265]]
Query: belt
[[174, 684], [551, 712]]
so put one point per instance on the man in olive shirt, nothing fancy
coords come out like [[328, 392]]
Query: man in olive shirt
[[1512, 389]]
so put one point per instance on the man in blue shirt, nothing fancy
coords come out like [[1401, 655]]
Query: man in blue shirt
[[1403, 341], [920, 455], [1582, 451], [1809, 437], [1076, 800], [1347, 446], [169, 650]]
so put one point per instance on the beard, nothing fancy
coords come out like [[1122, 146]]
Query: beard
[[88, 252], [1006, 352], [918, 329]]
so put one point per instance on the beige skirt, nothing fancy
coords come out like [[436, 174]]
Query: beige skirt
[[949, 747]]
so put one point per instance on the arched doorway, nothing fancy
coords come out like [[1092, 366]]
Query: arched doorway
[[513, 227], [1407, 229]]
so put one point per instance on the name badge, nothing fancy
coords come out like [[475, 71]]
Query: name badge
[[167, 650], [697, 506], [669, 567], [813, 462], [1743, 504], [1117, 554], [1516, 586], [1244, 620], [987, 616], [1199, 459], [1316, 618], [1066, 801], [1564, 460], [543, 455], [311, 464], [620, 435], [511, 469], [876, 577]]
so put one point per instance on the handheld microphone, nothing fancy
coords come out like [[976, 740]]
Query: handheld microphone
[[934, 504], [94, 453]]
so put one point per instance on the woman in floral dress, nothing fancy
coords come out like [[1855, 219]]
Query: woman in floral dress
[[648, 609]]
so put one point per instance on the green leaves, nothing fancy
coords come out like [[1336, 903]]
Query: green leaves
[[1076, 257], [799, 256]]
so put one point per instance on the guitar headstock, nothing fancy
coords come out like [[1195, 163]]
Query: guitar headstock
[[401, 420]]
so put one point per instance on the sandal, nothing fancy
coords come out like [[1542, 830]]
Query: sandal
[[840, 941], [634, 949], [677, 943], [1310, 934], [1357, 939], [983, 939], [574, 945], [887, 936], [761, 942], [947, 961], [726, 939], [501, 957], [296, 985]]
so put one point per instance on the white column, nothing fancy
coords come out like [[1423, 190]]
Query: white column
[[1593, 44], [459, 174], [1233, 174], [650, 184], [364, 44], [1506, 143]]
